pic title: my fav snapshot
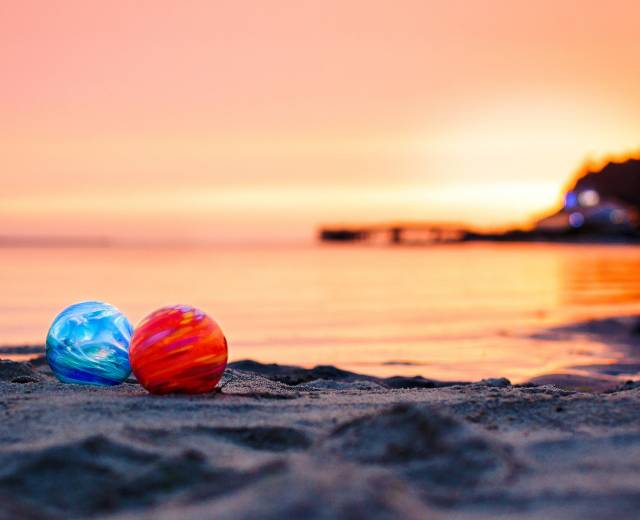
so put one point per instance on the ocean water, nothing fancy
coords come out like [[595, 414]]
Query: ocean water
[[463, 311]]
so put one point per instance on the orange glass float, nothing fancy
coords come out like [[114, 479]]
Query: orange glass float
[[178, 349]]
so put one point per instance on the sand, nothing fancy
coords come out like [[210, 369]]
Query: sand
[[285, 442]]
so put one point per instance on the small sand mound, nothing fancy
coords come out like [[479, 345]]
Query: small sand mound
[[98, 475], [328, 377], [74, 478], [429, 445], [313, 489], [270, 438], [266, 438], [14, 372], [239, 383]]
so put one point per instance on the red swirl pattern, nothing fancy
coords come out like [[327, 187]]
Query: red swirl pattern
[[178, 349]]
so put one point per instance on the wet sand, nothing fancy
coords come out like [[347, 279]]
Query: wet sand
[[285, 442]]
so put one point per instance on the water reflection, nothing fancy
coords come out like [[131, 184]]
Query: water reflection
[[600, 276], [456, 312]]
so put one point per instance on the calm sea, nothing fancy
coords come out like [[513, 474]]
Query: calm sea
[[449, 312]]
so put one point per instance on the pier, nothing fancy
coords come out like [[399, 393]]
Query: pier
[[396, 233]]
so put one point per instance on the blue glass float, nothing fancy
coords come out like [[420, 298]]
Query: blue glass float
[[88, 343]]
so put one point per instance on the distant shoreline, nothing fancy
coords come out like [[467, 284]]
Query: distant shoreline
[[49, 242], [424, 234], [555, 238]]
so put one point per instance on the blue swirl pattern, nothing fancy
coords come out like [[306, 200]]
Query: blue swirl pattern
[[88, 343]]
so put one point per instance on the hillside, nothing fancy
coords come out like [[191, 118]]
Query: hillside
[[617, 180]]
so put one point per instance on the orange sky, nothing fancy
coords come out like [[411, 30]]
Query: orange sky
[[244, 120]]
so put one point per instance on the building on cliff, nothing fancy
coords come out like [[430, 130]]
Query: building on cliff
[[601, 202]]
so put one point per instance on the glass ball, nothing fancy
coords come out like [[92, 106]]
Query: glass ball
[[178, 349], [88, 343]]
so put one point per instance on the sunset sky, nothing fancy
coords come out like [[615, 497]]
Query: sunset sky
[[235, 120]]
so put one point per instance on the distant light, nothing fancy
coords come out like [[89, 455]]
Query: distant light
[[589, 198], [618, 216], [576, 220], [570, 200]]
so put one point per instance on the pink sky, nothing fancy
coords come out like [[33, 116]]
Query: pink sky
[[257, 120]]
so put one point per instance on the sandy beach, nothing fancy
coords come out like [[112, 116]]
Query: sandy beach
[[288, 442]]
